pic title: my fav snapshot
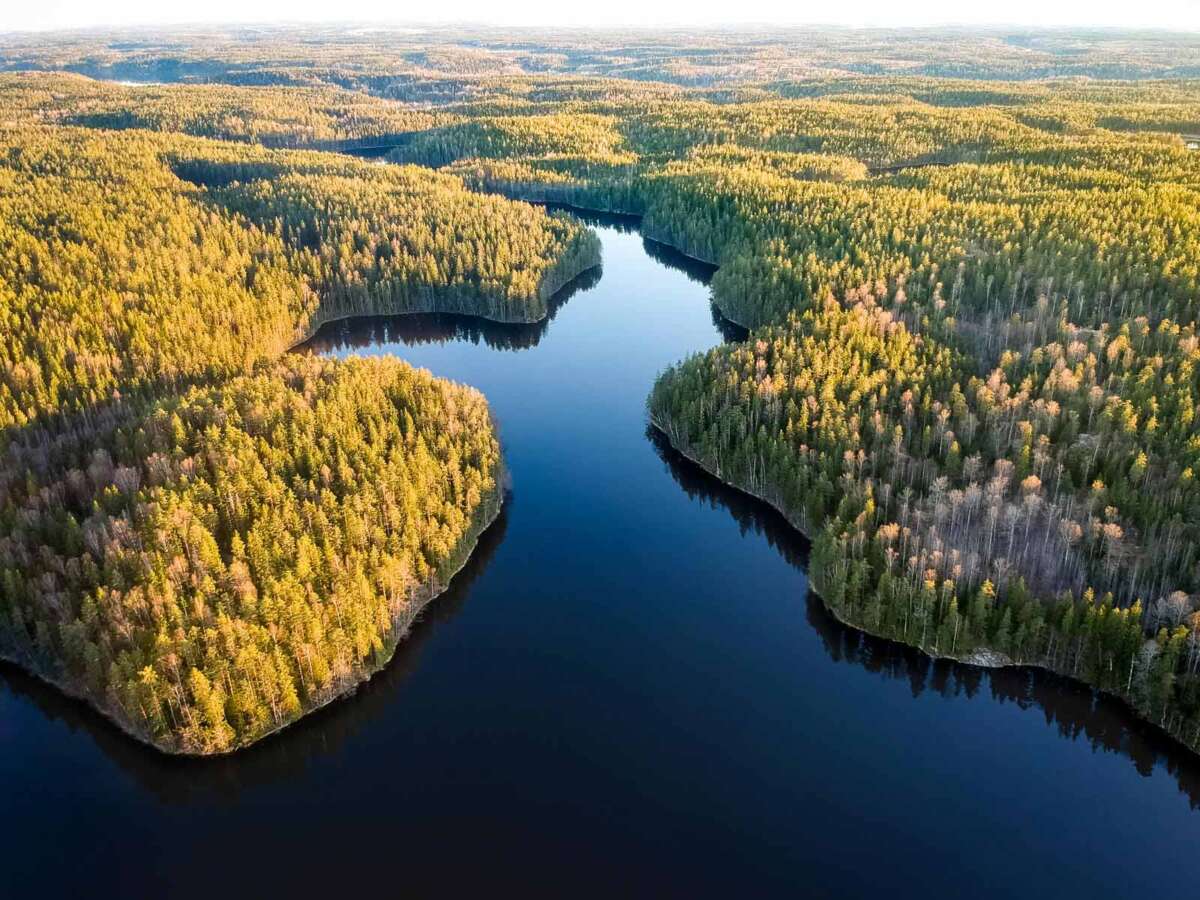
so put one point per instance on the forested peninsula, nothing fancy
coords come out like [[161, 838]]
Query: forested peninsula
[[971, 281], [971, 376], [201, 536]]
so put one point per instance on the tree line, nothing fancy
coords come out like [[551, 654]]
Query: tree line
[[203, 539], [972, 372]]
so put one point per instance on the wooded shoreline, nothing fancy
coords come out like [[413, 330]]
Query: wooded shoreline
[[981, 658], [422, 597]]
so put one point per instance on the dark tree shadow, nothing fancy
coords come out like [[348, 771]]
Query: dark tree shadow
[[1074, 710], [279, 758], [442, 328]]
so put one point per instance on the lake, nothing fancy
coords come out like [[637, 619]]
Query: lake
[[628, 691]]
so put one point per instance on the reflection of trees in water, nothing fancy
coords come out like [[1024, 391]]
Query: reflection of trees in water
[[622, 222], [280, 757], [1073, 710], [731, 332], [694, 269], [412, 329], [701, 273], [753, 516], [441, 328]]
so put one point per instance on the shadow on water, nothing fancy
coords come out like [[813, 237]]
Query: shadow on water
[[1076, 712], [696, 270], [753, 516], [702, 273], [731, 332], [331, 742], [621, 222], [625, 223], [443, 328], [280, 757], [665, 255], [412, 329]]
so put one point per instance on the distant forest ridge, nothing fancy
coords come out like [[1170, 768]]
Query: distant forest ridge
[[422, 63]]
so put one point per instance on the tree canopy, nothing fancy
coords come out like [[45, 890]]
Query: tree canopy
[[203, 537]]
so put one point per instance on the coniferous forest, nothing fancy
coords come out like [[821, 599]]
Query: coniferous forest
[[971, 281], [201, 538]]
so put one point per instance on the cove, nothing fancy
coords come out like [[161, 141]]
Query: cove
[[628, 691]]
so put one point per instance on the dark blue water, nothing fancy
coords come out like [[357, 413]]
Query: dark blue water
[[627, 692]]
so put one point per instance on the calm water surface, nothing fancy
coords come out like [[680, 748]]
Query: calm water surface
[[628, 691]]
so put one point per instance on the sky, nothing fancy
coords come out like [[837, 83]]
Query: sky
[[51, 14]]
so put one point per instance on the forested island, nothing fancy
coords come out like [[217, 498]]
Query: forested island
[[972, 374]]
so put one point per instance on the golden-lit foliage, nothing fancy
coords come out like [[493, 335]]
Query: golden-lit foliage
[[975, 383], [202, 540], [971, 263], [215, 564], [973, 374], [212, 257], [275, 116]]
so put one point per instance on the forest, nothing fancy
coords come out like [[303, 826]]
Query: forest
[[972, 283], [201, 536]]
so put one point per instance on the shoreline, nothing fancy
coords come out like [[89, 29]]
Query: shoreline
[[981, 658], [312, 328], [665, 240], [423, 594], [401, 627]]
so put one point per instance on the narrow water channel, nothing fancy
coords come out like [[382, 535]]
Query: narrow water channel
[[627, 691]]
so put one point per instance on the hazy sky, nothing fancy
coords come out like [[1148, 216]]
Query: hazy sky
[[1181, 14]]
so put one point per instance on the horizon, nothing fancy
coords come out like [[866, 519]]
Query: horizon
[[729, 27], [1170, 16]]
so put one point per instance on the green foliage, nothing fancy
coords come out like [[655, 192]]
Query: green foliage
[[222, 561], [202, 540], [316, 117], [975, 385], [973, 375], [119, 277]]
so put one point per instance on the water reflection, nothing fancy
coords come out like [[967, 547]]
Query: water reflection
[[626, 223], [700, 272], [695, 269], [281, 757], [1076, 712], [345, 765], [415, 329], [622, 222], [731, 332], [442, 328], [753, 516]]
